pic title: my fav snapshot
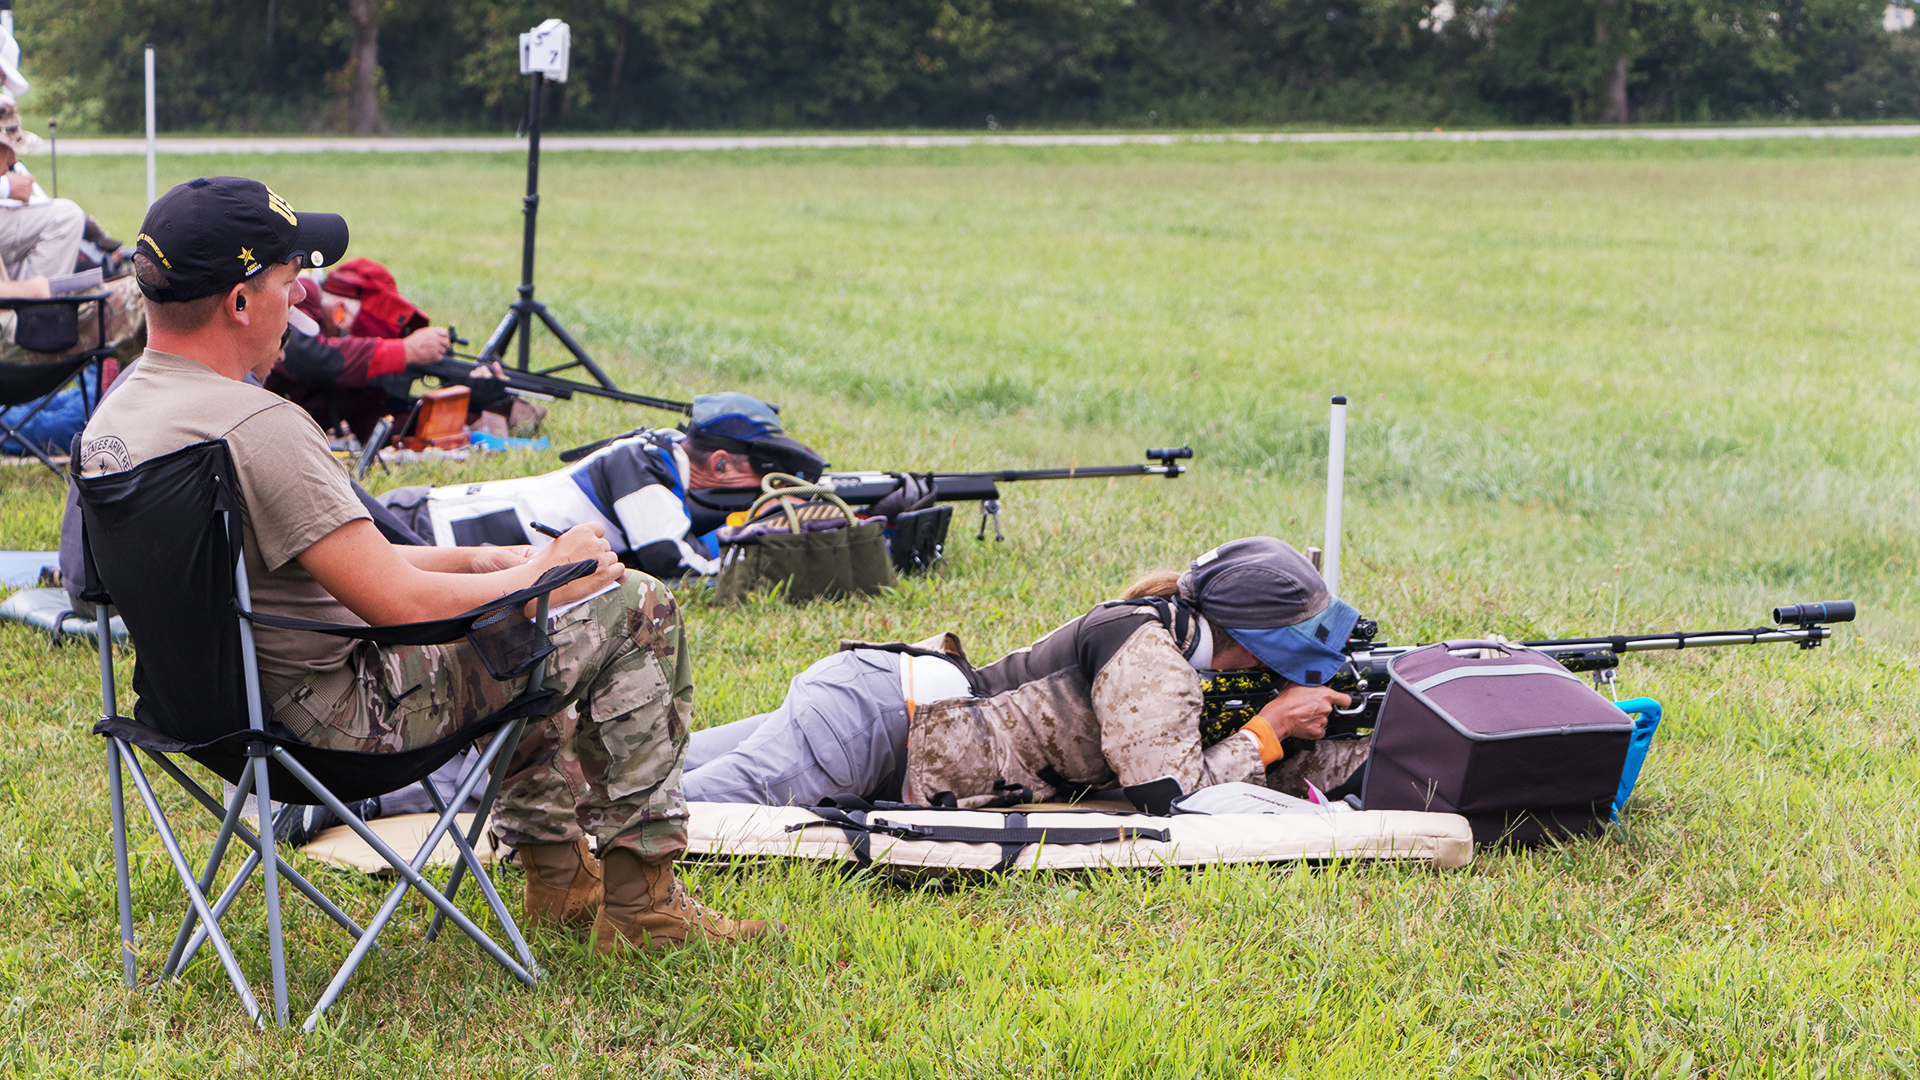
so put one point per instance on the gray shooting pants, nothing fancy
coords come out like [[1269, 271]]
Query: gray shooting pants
[[842, 730]]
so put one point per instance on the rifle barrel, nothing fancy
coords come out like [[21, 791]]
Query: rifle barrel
[[1596, 652], [867, 488], [455, 366], [1808, 636], [1074, 473]]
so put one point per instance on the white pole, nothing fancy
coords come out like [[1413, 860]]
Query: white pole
[[1336, 491], [151, 196]]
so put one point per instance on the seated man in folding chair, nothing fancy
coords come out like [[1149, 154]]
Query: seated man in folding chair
[[40, 239], [217, 260], [39, 236]]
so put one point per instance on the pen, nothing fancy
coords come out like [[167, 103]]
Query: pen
[[544, 530]]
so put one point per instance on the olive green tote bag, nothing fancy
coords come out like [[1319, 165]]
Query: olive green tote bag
[[814, 563]]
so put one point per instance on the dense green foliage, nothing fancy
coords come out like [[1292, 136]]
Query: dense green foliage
[[642, 64], [1650, 386]]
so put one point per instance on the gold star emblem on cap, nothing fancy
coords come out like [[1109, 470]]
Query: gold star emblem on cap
[[246, 256]]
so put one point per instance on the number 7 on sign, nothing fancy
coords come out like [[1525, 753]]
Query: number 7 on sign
[[545, 49]]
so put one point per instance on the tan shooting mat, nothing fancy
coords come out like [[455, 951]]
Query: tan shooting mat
[[744, 830], [1445, 840], [403, 833]]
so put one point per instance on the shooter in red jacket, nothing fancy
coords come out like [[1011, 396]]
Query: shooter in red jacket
[[354, 371]]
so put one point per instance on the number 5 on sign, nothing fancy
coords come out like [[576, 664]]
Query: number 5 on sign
[[544, 50]]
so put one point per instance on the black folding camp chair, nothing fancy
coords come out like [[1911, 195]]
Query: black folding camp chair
[[51, 327], [164, 545]]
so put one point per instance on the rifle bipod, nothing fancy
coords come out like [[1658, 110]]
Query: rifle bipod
[[990, 508]]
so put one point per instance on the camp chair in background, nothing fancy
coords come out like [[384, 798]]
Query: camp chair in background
[[52, 327], [164, 545]]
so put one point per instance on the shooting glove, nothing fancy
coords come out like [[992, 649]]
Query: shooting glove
[[914, 493]]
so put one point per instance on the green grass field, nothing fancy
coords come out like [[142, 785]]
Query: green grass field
[[1597, 388]]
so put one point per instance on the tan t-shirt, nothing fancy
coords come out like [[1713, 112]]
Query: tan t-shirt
[[292, 491]]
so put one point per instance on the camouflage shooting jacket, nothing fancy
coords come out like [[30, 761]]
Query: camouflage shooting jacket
[[1107, 700]]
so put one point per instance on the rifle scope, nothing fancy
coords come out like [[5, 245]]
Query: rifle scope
[[1829, 611], [1170, 454]]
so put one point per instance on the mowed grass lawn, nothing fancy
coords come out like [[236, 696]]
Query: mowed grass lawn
[[1596, 388]]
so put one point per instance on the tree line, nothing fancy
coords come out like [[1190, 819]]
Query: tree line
[[451, 65]]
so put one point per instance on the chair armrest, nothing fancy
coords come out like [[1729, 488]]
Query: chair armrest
[[438, 631], [75, 300]]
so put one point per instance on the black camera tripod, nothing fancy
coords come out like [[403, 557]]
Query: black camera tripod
[[522, 312]]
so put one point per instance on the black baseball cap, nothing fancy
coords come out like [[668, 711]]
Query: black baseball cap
[[752, 427], [1269, 598], [211, 234]]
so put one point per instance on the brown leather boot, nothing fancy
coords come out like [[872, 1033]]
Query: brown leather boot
[[648, 908], [563, 883]]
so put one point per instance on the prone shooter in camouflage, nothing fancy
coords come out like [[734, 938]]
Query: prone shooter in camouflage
[[1110, 699]]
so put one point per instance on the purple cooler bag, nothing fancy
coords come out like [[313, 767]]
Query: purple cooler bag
[[1518, 744]]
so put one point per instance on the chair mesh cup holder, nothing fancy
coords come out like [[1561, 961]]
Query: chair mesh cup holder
[[51, 327], [163, 544], [510, 643]]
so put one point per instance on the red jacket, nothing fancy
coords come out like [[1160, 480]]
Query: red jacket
[[358, 375]]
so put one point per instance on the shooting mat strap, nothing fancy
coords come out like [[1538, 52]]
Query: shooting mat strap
[[860, 828]]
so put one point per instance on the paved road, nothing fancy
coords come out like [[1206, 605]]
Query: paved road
[[657, 143]]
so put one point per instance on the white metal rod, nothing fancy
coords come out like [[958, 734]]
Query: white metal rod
[[151, 196], [1336, 492]]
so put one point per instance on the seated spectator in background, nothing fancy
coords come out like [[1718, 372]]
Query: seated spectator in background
[[39, 236], [126, 322]]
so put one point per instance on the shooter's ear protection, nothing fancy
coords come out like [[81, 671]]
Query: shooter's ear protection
[[240, 302]]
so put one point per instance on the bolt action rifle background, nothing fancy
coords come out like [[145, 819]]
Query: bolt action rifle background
[[910, 500], [1233, 697]]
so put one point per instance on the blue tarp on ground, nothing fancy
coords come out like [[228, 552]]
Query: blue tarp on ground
[[21, 569], [51, 610]]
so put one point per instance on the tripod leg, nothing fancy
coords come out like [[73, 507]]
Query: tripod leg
[[496, 346], [580, 357]]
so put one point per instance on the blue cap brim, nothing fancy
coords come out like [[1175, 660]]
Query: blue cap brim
[[1309, 652]]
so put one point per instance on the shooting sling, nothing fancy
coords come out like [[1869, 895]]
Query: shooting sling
[[824, 552]]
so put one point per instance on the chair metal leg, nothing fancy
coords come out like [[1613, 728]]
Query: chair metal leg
[[122, 879], [276, 945], [175, 961], [220, 907], [122, 882], [502, 763], [468, 858], [247, 837], [409, 872], [194, 895]]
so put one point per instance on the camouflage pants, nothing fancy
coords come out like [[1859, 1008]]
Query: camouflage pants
[[605, 762], [126, 323]]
